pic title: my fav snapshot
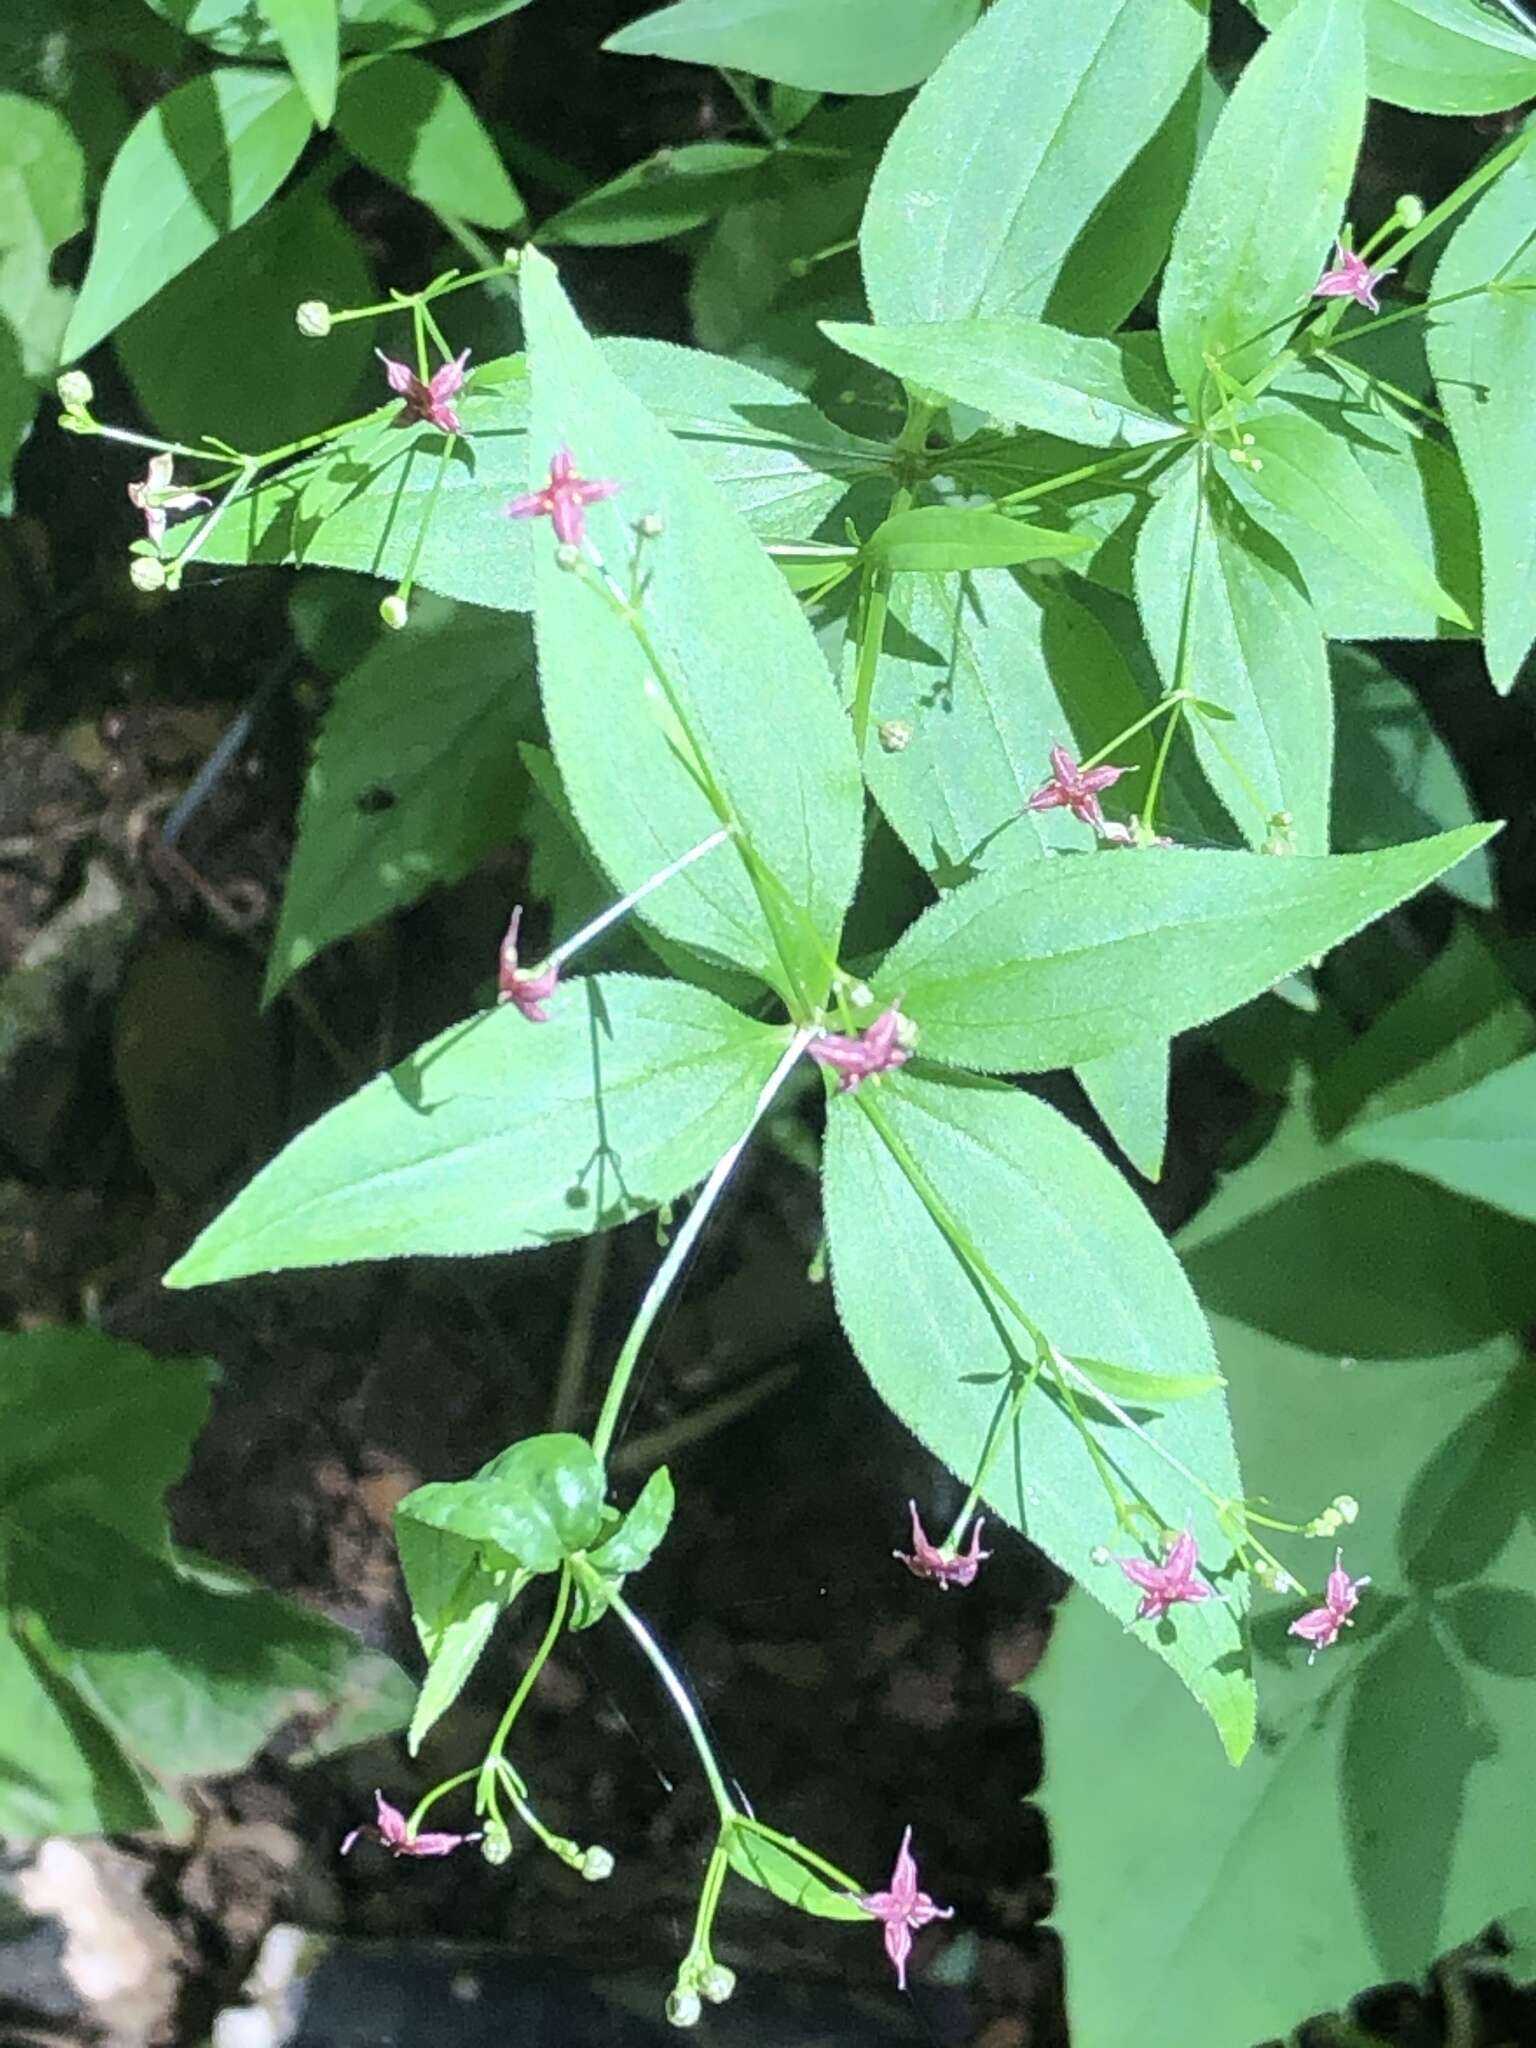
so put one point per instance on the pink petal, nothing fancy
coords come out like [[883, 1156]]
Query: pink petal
[[1063, 767], [562, 466], [1149, 1576], [593, 494], [347, 1844], [448, 378], [1319, 1626], [402, 379], [898, 1946], [1181, 1556], [1102, 777], [435, 1845], [531, 505], [392, 1827], [1050, 798], [567, 517]]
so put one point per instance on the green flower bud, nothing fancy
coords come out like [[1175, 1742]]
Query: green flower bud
[[895, 735], [313, 319], [1098, 1554], [511, 258], [567, 556], [496, 1848], [394, 611], [685, 2009], [1346, 1507], [146, 572], [717, 1983], [75, 390], [597, 1864], [651, 525], [1410, 210]]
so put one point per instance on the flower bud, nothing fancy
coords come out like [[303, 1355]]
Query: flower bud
[[717, 1983], [313, 319], [1346, 1507], [75, 390], [596, 1863], [394, 611], [511, 258], [567, 556], [146, 572], [496, 1847], [1098, 1554], [1410, 210], [685, 2009], [651, 525], [895, 735]]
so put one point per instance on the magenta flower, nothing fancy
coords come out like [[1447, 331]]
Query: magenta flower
[[1320, 1626], [1075, 789], [393, 1831], [1164, 1585], [155, 496], [875, 1050], [1350, 278], [563, 500], [929, 1562], [903, 1908], [432, 401], [528, 987]]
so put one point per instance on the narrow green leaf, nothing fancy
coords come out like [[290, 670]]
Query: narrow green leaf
[[935, 538], [1480, 1143], [1065, 1235], [1439, 56], [628, 1548], [1047, 963], [1157, 1388], [501, 1134], [455, 1651], [1213, 585], [410, 122], [671, 192], [776, 1871], [1483, 353], [1022, 373], [1005, 155], [366, 25], [198, 165], [800, 805], [307, 33], [858, 46], [1266, 200], [1129, 1089]]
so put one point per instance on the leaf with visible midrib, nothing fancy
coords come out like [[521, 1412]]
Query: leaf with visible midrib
[[852, 46]]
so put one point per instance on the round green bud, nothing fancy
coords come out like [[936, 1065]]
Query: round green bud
[[511, 258], [313, 319], [717, 1983], [1410, 210], [651, 525], [596, 1864], [75, 390], [568, 557], [496, 1848], [146, 572], [895, 735], [684, 2009], [1346, 1507], [1098, 1554], [394, 611]]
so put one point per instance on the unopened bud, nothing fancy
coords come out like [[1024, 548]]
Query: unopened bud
[[1346, 1507], [496, 1845], [146, 572], [717, 1983], [651, 525], [895, 735], [75, 390], [1410, 210], [313, 319], [394, 611], [597, 1863], [861, 995], [511, 258], [1098, 1554], [685, 2009]]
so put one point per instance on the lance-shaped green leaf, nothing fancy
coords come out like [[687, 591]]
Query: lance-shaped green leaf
[[759, 705], [410, 122], [531, 1507], [775, 1870], [857, 46], [671, 192], [1007, 153], [1480, 1142], [1129, 1089], [1227, 616], [1483, 353], [1309, 473], [1266, 200], [307, 33], [1439, 56], [456, 1603], [502, 1134], [1023, 373], [198, 164], [936, 538], [628, 1546], [1039, 1209], [366, 25], [1047, 963]]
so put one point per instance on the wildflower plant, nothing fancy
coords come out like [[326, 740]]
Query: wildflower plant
[[1095, 598]]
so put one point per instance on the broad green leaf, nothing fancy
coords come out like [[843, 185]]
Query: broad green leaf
[[533, 1506], [253, 378], [1480, 1143], [360, 506], [1266, 201], [1226, 615], [1129, 1089], [1047, 963], [502, 1134], [1388, 1812], [775, 1870], [628, 1548], [410, 122], [671, 192], [857, 46], [306, 31], [42, 204], [455, 1605], [412, 775], [936, 538], [1394, 778], [1440, 56], [1483, 352], [1060, 1229], [195, 167], [1311, 474], [365, 24], [800, 805], [1022, 373], [1006, 154]]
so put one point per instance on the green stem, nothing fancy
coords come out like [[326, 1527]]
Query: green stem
[[877, 583], [408, 581], [204, 533], [1467, 190], [487, 1770], [1379, 323], [425, 1804], [625, 904], [1002, 1425], [1121, 459], [1159, 710], [677, 1692], [577, 1349], [671, 1267]]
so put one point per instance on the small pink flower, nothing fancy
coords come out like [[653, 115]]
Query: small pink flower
[[875, 1050], [1320, 1626], [929, 1562], [528, 987], [1350, 278], [155, 496], [903, 1908], [432, 401], [1164, 1585], [393, 1832], [1075, 789], [563, 500]]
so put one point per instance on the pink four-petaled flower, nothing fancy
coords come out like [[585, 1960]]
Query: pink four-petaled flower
[[392, 1830], [1320, 1626], [1076, 789], [929, 1562], [903, 1908], [432, 401], [1164, 1585], [563, 500], [155, 496], [875, 1050], [529, 988], [1351, 277]]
